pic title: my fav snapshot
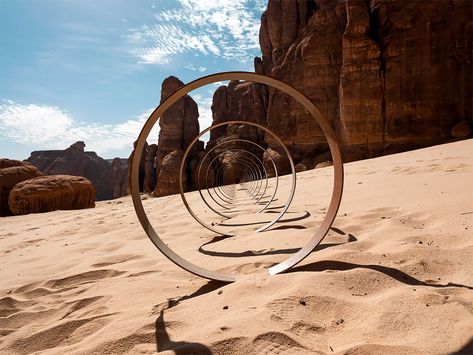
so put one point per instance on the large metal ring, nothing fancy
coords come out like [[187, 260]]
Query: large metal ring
[[257, 78]]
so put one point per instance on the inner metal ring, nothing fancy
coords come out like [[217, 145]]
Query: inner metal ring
[[249, 164], [217, 194], [266, 130], [234, 140], [261, 79]]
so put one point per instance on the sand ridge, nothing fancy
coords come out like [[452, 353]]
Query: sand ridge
[[392, 277]]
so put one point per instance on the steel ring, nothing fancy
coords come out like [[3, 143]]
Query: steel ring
[[257, 78]]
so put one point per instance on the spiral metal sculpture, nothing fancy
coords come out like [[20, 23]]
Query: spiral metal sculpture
[[218, 193]]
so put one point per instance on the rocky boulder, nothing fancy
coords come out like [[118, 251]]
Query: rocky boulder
[[141, 169], [50, 193], [149, 179], [11, 173]]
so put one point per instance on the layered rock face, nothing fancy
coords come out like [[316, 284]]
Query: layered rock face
[[388, 75], [160, 164], [108, 179], [240, 101], [179, 126], [50, 193], [11, 173], [118, 175]]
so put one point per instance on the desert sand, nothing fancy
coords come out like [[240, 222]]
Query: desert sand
[[393, 276]]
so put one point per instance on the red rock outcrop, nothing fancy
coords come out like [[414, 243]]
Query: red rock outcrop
[[50, 193], [159, 164], [168, 178], [141, 169], [11, 173], [149, 179], [179, 126], [240, 101], [75, 161], [118, 176], [388, 75]]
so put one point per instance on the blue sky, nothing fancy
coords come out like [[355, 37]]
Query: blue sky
[[91, 70]]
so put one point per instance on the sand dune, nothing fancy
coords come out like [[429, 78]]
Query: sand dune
[[394, 275]]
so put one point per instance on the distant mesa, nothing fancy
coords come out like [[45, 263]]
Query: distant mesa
[[108, 177]]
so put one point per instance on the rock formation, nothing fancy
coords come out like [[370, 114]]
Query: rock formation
[[160, 164], [168, 178], [149, 178], [141, 171], [75, 161], [179, 126], [50, 193], [118, 175], [11, 173], [388, 75]]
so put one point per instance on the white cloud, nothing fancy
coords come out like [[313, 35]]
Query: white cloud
[[223, 28], [205, 112], [49, 127], [194, 68]]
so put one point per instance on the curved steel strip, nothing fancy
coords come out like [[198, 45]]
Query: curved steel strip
[[219, 175], [278, 140], [221, 171], [233, 140], [199, 220], [257, 78], [259, 177], [213, 148], [246, 160], [208, 191]]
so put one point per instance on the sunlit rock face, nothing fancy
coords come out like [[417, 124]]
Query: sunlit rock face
[[179, 126], [388, 75], [50, 193]]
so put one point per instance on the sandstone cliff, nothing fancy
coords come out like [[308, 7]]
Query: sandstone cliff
[[389, 75], [159, 165], [108, 178], [179, 125]]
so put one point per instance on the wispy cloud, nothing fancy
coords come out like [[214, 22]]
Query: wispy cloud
[[50, 127], [194, 68], [223, 28]]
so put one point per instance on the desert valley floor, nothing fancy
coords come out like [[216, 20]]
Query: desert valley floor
[[393, 276]]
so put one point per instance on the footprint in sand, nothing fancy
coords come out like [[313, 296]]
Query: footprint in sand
[[276, 343]]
